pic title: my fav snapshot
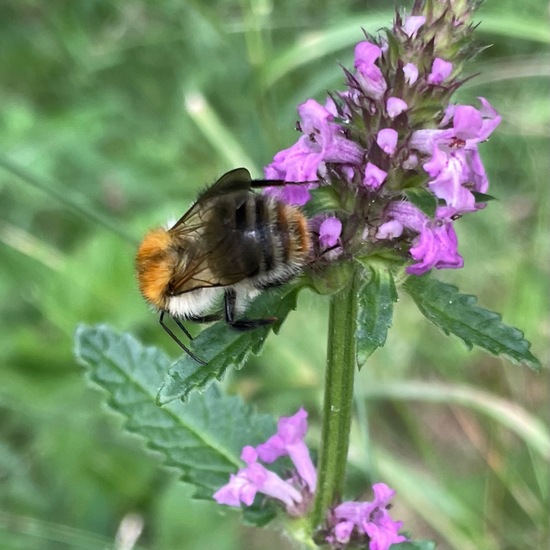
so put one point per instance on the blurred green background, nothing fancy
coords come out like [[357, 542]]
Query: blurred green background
[[112, 116]]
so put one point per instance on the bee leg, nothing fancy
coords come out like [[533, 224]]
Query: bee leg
[[205, 318], [242, 324], [177, 340]]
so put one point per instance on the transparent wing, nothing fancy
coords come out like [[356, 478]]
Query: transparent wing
[[231, 182], [224, 259]]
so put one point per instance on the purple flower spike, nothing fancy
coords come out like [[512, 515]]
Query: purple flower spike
[[289, 440], [441, 70], [412, 24], [392, 129], [374, 176], [329, 232], [395, 106], [387, 140], [410, 71]]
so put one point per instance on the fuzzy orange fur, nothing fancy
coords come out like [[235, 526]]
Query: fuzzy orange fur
[[301, 241], [154, 266]]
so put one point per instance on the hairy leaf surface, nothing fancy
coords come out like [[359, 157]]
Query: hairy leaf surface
[[224, 348], [374, 311], [459, 314], [201, 438]]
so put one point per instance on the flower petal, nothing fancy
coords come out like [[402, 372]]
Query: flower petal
[[329, 232], [387, 140], [441, 70], [374, 176]]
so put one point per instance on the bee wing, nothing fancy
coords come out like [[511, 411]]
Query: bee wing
[[226, 259], [194, 276], [233, 181]]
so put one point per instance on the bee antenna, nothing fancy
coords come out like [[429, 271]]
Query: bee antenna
[[177, 340]]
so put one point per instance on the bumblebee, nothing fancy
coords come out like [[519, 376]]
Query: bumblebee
[[228, 247]]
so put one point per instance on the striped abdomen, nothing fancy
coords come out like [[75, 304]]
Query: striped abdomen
[[265, 239]]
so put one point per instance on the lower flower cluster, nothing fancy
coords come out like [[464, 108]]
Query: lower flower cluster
[[348, 524]]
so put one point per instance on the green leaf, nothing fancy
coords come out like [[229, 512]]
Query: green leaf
[[224, 348], [460, 315], [374, 311], [323, 199], [483, 197], [202, 438], [424, 200], [414, 545]]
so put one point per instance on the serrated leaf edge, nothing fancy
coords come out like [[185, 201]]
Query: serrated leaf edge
[[126, 337]]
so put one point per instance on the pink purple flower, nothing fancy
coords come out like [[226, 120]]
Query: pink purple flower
[[255, 478], [455, 165], [410, 70], [374, 176], [435, 245], [369, 76], [387, 140], [323, 141], [366, 521], [441, 70], [412, 24], [289, 441], [329, 232], [395, 106], [295, 493]]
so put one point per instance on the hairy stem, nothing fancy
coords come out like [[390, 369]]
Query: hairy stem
[[337, 408]]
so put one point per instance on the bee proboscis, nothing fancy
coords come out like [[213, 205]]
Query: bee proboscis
[[230, 245]]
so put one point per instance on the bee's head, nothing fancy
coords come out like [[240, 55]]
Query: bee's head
[[155, 266]]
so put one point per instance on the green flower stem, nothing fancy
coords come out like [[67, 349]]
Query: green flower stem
[[338, 400]]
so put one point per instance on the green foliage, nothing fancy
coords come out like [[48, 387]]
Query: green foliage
[[374, 310], [202, 438], [423, 200], [459, 314], [323, 199], [224, 348]]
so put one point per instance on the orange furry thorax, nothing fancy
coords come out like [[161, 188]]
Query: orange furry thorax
[[154, 266]]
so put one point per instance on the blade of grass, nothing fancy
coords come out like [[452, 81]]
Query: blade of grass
[[77, 203], [219, 136], [28, 244], [512, 416], [26, 529], [314, 45], [440, 508]]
